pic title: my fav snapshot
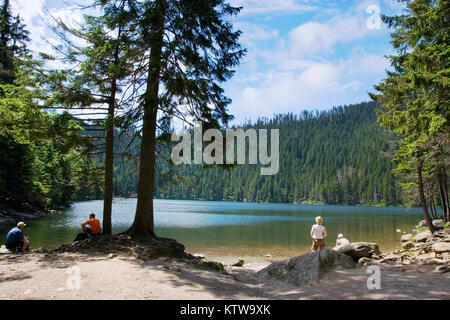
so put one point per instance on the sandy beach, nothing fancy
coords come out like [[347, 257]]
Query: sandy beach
[[97, 276]]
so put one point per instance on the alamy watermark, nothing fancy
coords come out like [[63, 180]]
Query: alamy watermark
[[73, 280], [374, 21], [235, 151], [374, 280]]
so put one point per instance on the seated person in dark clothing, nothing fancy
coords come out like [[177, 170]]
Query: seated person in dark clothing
[[90, 227], [15, 240]]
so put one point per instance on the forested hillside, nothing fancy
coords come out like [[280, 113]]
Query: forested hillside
[[334, 157]]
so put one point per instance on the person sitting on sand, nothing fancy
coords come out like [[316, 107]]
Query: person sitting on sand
[[15, 240], [341, 240], [318, 233], [90, 227]]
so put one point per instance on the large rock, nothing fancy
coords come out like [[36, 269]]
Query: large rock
[[358, 250], [422, 237], [406, 237], [439, 223], [304, 269], [441, 247]]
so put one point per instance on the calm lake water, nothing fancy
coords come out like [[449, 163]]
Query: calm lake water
[[236, 228]]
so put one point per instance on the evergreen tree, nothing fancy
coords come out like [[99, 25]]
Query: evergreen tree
[[192, 49], [415, 97]]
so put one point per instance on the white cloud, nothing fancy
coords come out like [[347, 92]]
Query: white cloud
[[320, 85], [313, 37]]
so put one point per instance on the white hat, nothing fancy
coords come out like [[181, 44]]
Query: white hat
[[340, 235], [21, 224]]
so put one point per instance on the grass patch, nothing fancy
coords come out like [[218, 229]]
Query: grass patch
[[421, 229]]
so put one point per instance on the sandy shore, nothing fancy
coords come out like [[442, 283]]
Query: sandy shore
[[54, 276]]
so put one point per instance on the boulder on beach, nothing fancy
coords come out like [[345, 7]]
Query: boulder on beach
[[238, 263], [304, 269], [408, 245], [441, 247], [422, 237], [439, 223], [357, 250], [406, 237]]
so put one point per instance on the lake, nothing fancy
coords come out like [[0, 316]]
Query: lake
[[217, 228]]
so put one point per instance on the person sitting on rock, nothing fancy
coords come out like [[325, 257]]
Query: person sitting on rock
[[341, 240], [318, 233], [90, 227], [15, 240]]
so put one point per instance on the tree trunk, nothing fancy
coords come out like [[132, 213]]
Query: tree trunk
[[442, 196], [447, 204], [433, 208], [422, 198], [143, 225], [109, 168], [109, 156]]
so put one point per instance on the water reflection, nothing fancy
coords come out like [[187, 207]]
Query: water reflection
[[232, 228]]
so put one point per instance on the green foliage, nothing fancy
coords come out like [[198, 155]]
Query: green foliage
[[332, 157], [415, 98], [39, 158]]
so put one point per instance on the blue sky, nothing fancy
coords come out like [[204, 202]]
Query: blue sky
[[302, 54]]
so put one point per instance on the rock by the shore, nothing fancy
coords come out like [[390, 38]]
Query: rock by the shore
[[441, 247], [145, 250], [424, 249], [304, 269], [357, 250], [422, 237], [439, 223], [408, 245], [422, 223], [406, 237], [238, 263]]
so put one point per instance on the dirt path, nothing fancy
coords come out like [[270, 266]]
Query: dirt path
[[40, 276]]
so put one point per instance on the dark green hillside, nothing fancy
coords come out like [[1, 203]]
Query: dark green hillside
[[333, 157]]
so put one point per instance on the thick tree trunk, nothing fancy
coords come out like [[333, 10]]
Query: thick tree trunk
[[143, 225], [422, 198], [109, 169], [109, 156]]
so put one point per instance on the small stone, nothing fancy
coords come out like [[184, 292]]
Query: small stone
[[398, 230], [441, 269], [408, 245], [441, 247], [426, 256], [422, 237], [422, 223], [439, 223], [364, 261], [406, 237], [268, 255], [112, 255], [199, 255], [238, 263]]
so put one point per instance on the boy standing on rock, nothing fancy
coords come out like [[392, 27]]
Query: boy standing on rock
[[318, 233]]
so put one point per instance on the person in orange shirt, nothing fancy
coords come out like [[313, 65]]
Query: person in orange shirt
[[94, 226]]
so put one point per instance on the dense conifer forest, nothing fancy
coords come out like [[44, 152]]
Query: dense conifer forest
[[340, 156]]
